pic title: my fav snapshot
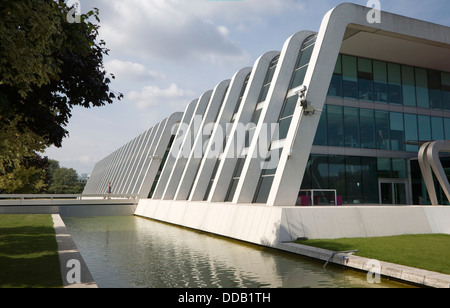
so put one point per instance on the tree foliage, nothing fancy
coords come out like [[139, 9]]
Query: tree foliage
[[47, 66]]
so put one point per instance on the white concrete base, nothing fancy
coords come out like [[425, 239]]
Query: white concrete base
[[270, 226]]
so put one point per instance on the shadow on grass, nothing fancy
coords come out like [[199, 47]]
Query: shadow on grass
[[29, 257]]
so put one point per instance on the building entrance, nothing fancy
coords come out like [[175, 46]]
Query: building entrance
[[393, 191]]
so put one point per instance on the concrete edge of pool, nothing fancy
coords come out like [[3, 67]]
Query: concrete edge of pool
[[67, 251]]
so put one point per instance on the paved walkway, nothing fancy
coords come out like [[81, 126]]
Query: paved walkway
[[400, 272], [72, 263]]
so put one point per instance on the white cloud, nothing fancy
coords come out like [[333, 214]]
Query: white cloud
[[172, 97], [130, 71]]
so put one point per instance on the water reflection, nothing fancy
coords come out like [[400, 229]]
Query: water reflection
[[136, 252]]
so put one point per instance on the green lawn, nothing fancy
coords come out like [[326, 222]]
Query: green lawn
[[28, 252], [428, 251]]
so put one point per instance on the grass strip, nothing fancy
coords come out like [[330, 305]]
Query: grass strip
[[28, 252], [425, 251]]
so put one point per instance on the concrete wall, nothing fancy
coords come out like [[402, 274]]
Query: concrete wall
[[270, 226]]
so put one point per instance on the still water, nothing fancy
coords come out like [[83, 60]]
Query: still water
[[131, 252]]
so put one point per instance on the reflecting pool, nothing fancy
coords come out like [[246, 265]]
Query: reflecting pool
[[131, 252]]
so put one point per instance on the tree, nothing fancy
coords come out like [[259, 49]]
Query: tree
[[65, 181], [48, 66]]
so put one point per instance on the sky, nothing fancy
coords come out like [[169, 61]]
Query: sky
[[166, 53]]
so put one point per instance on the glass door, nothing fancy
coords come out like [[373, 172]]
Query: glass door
[[393, 191]]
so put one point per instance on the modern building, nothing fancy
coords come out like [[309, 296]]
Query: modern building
[[336, 117], [375, 92]]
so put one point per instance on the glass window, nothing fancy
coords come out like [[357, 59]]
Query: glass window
[[411, 132], [382, 130], [422, 88], [399, 168], [434, 87], [447, 128], [350, 77], [380, 88], [365, 79], [424, 128], [367, 128], [335, 126], [437, 128], [264, 189], [289, 106], [336, 81], [321, 134], [409, 86], [445, 80], [336, 169], [354, 180], [395, 82], [284, 125], [369, 179], [397, 132], [351, 127], [384, 168], [319, 171]]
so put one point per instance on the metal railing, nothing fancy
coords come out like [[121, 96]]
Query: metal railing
[[23, 199]]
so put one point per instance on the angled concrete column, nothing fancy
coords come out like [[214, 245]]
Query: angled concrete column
[[429, 161], [140, 160], [171, 158], [158, 153], [235, 145], [211, 154], [252, 169], [203, 138], [190, 131]]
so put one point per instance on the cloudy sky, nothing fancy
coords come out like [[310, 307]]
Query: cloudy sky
[[165, 53]]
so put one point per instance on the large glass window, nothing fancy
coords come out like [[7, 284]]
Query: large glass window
[[321, 137], [434, 87], [367, 128], [267, 176], [351, 127], [411, 132], [380, 88], [409, 86], [397, 132], [369, 179], [337, 179], [336, 81], [395, 84], [365, 79], [335, 126], [382, 130], [424, 128], [445, 80], [437, 128], [422, 88], [354, 180], [447, 128], [349, 76]]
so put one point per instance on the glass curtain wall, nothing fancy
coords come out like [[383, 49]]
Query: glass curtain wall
[[390, 83]]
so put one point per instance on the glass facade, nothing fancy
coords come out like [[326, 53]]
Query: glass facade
[[390, 83], [378, 179]]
